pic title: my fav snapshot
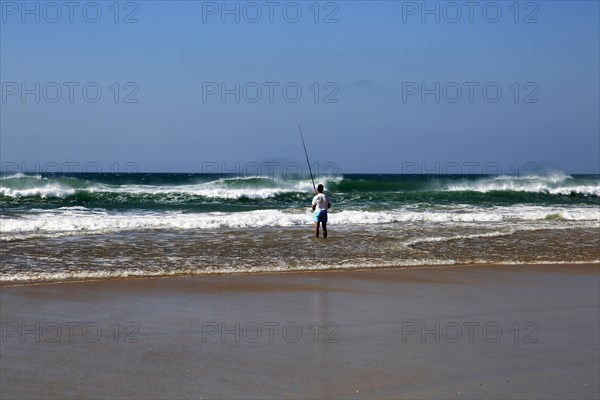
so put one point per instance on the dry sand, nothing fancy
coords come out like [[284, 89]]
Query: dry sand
[[453, 332]]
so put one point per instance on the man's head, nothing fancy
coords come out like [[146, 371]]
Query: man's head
[[320, 188]]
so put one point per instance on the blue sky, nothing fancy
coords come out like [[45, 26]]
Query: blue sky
[[383, 85]]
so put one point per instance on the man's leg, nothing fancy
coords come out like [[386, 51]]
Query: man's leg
[[316, 229], [325, 229]]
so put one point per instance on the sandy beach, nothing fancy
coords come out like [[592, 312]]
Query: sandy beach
[[519, 331]]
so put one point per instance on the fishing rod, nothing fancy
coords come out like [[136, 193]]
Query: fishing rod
[[307, 161]]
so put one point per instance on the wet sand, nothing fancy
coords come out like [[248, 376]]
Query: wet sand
[[452, 332]]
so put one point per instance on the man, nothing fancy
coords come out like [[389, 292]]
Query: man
[[320, 204]]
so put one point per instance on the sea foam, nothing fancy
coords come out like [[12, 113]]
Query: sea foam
[[67, 221]]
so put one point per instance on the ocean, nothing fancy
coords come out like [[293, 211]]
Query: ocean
[[62, 227]]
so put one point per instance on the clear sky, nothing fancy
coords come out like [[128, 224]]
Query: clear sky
[[386, 87]]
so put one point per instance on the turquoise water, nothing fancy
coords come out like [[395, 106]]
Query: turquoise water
[[77, 226], [216, 192]]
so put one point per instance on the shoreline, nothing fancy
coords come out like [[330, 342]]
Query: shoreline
[[299, 271], [386, 333]]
